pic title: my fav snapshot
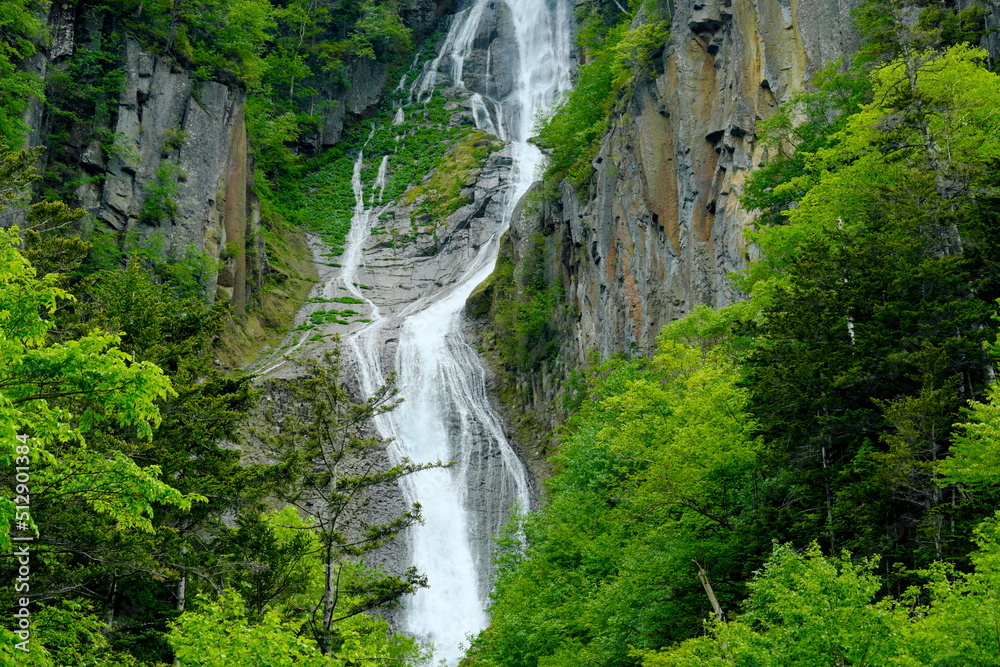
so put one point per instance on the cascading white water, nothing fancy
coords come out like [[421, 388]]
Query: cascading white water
[[447, 415], [380, 180]]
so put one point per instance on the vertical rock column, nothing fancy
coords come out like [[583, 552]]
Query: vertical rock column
[[234, 213]]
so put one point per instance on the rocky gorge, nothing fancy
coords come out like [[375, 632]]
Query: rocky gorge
[[373, 184]]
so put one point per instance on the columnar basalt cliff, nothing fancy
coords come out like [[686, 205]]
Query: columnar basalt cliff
[[214, 210], [660, 228], [171, 126]]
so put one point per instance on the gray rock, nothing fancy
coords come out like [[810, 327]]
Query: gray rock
[[490, 67], [662, 221], [61, 20], [661, 227]]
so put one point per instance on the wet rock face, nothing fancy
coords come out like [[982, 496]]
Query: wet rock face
[[364, 84], [422, 16], [192, 136], [491, 67], [661, 228], [367, 84], [399, 277]]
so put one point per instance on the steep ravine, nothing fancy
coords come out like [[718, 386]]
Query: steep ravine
[[500, 65]]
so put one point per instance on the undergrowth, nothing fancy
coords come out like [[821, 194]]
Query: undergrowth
[[322, 198]]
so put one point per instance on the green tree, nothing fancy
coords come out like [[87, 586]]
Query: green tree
[[38, 374], [976, 449], [874, 304], [218, 634], [810, 609], [152, 573], [803, 608], [55, 394], [280, 559], [20, 30], [319, 438], [658, 468]]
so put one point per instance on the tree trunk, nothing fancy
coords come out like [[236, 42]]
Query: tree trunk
[[703, 576]]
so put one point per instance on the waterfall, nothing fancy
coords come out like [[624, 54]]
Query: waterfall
[[446, 414]]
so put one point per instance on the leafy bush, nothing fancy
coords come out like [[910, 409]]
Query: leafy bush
[[160, 206], [523, 309], [20, 28]]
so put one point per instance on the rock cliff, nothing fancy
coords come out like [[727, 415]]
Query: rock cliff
[[661, 227], [171, 132]]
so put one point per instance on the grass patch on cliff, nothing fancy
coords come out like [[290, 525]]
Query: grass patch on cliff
[[522, 306], [292, 274], [617, 55], [321, 198], [442, 192]]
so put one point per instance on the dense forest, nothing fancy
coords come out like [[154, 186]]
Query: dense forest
[[807, 476]]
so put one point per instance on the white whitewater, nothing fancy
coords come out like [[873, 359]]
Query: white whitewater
[[447, 415]]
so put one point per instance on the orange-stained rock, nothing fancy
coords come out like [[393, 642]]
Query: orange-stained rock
[[661, 228]]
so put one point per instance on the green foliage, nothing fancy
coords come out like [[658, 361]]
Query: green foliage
[[874, 302], [379, 31], [174, 139], [322, 197], [324, 316], [976, 447], [215, 38], [218, 634], [271, 131], [524, 305], [282, 557], [81, 96], [71, 633], [17, 172], [899, 28], [615, 57], [186, 272], [658, 467], [808, 609], [160, 206], [806, 123], [441, 193], [190, 272], [20, 30], [103, 502], [317, 450], [836, 419], [39, 374], [314, 44]]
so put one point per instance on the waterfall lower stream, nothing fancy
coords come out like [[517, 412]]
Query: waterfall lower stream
[[446, 414]]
